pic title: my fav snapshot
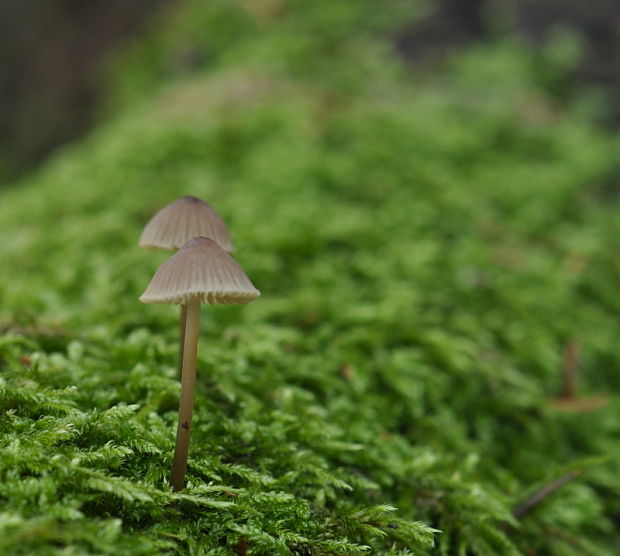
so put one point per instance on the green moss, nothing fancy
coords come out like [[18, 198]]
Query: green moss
[[425, 245]]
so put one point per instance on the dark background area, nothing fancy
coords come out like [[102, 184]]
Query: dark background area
[[457, 22], [51, 56], [51, 71]]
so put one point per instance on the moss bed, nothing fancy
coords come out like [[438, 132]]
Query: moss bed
[[427, 240]]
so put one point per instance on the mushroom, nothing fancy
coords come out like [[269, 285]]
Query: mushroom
[[187, 217], [200, 272], [177, 222]]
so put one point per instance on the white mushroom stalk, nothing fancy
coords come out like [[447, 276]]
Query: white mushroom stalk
[[188, 389]]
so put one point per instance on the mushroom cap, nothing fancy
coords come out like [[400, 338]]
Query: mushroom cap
[[201, 268], [177, 222]]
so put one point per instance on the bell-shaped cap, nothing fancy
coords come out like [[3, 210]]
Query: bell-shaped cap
[[201, 268], [182, 220]]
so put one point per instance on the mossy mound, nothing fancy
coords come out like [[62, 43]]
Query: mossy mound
[[426, 244]]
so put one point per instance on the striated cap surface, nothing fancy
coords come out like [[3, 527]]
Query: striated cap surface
[[201, 268], [187, 217]]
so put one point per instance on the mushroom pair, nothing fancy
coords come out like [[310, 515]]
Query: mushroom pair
[[200, 272]]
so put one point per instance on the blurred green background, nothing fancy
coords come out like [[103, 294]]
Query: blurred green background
[[55, 55], [427, 195]]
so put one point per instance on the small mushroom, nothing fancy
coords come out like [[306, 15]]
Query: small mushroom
[[200, 272], [187, 217], [178, 222]]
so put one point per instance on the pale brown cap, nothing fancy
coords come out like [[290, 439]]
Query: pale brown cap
[[184, 219], [201, 268]]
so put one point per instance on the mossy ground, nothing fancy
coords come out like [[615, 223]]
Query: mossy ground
[[426, 242]]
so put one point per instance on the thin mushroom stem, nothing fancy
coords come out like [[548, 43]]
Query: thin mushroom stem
[[188, 386], [182, 325]]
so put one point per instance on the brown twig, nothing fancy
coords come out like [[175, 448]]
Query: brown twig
[[569, 400], [526, 507], [572, 358]]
